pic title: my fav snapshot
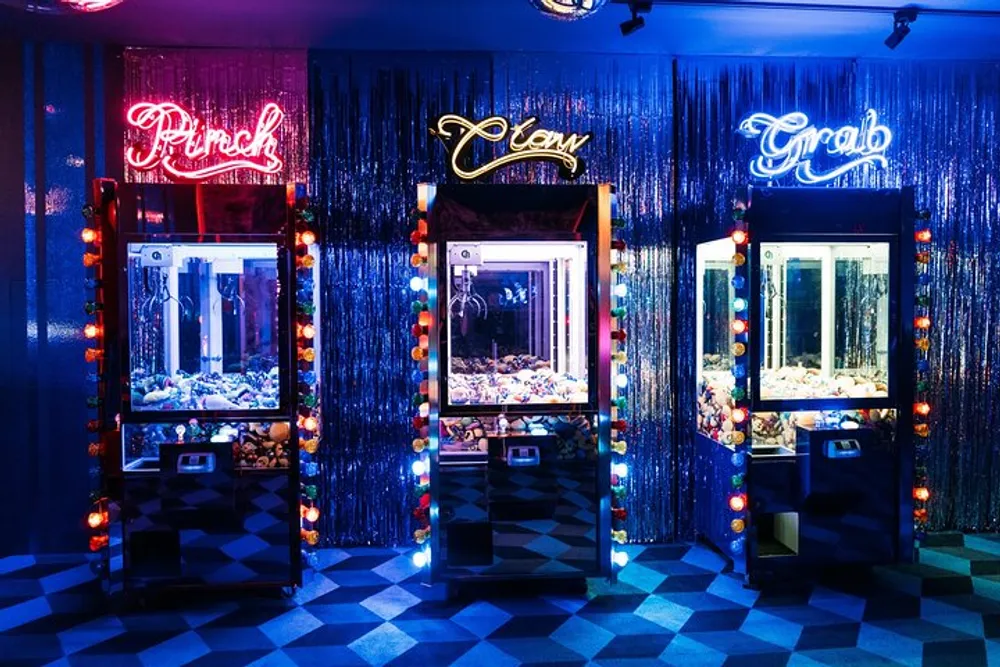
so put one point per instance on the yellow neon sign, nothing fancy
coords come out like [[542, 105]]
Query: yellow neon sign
[[458, 133]]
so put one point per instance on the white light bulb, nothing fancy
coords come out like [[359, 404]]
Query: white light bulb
[[619, 469], [417, 283], [739, 304], [419, 468], [621, 381], [420, 558], [620, 558], [621, 290]]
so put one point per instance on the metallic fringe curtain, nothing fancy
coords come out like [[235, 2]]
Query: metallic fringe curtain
[[371, 147], [665, 136]]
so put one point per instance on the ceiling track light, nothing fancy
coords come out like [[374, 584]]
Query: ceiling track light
[[901, 21], [636, 22]]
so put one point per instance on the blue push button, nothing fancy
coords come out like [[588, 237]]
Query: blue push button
[[842, 449]]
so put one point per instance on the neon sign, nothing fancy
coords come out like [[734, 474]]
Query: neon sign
[[186, 148], [789, 144], [458, 133]]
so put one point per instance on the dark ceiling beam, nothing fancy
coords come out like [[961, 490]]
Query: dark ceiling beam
[[823, 7]]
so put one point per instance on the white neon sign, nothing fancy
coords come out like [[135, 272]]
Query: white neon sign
[[789, 144]]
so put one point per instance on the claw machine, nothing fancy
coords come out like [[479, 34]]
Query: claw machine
[[520, 422], [805, 359], [200, 420]]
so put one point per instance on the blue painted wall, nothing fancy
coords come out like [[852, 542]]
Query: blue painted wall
[[48, 163]]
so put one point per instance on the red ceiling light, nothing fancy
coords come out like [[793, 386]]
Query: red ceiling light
[[90, 5]]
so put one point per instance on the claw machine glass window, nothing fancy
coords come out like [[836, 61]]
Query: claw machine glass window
[[204, 327], [517, 323], [826, 320], [714, 303]]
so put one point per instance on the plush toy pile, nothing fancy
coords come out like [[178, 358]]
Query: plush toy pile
[[799, 382], [715, 404], [515, 378], [252, 390], [470, 434]]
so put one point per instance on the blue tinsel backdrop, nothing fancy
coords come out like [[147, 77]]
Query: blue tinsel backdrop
[[665, 135]]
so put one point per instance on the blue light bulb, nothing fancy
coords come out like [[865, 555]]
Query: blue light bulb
[[737, 459], [739, 282], [739, 371]]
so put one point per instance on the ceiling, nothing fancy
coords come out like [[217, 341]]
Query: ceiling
[[719, 27]]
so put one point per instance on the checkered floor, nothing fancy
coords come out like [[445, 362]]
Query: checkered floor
[[672, 606]]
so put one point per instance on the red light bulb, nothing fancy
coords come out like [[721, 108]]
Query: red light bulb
[[922, 493], [739, 416], [737, 503], [739, 326], [739, 237], [922, 409]]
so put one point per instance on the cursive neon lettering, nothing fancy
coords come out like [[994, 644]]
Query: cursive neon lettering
[[458, 133], [790, 143], [186, 148]]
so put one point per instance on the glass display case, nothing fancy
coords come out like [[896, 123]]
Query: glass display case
[[714, 311], [825, 320], [203, 329], [517, 323]]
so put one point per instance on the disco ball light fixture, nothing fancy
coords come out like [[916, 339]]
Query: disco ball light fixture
[[568, 10]]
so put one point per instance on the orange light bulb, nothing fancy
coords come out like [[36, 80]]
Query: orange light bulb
[[922, 409], [737, 503], [922, 493], [308, 238], [424, 319], [90, 259], [923, 236], [739, 237]]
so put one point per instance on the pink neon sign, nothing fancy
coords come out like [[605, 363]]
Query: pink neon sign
[[188, 149]]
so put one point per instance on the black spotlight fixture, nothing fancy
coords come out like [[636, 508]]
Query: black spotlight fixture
[[636, 7], [901, 21]]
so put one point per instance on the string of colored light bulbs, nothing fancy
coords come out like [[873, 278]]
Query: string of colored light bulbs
[[421, 421], [922, 367], [98, 519], [619, 404], [740, 409], [308, 416]]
